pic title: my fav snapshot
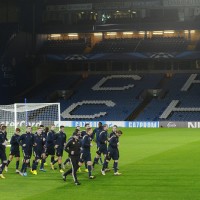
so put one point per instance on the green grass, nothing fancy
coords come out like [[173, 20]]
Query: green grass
[[156, 164]]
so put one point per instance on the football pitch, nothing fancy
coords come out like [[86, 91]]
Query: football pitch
[[156, 164]]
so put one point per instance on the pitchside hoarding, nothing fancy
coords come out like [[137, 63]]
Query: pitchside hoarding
[[128, 124], [177, 124], [135, 124]]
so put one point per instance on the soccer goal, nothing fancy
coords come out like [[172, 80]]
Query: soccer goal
[[33, 114]]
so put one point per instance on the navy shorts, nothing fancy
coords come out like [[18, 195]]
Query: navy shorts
[[15, 153], [27, 153], [102, 150], [50, 151], [85, 157], [37, 154], [59, 152], [114, 154]]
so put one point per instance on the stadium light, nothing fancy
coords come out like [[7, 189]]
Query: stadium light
[[157, 32], [98, 34], [169, 31], [127, 33], [141, 32], [111, 33], [187, 31], [55, 35], [73, 34]]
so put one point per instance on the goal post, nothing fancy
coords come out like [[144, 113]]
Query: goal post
[[33, 114]]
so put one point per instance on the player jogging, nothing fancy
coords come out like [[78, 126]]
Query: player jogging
[[113, 153], [26, 141], [3, 150], [85, 152], [60, 141], [73, 148], [38, 144], [102, 144], [14, 149]]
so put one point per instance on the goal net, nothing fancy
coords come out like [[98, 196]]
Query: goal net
[[34, 114]]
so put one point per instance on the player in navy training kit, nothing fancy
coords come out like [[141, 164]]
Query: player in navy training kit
[[60, 142], [14, 149], [87, 125], [85, 151], [113, 153], [114, 130], [50, 143], [26, 141], [95, 135], [3, 150], [78, 133], [44, 137], [73, 148], [38, 144], [102, 141]]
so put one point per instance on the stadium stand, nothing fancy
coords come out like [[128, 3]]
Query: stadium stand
[[63, 47], [154, 44], [104, 97]]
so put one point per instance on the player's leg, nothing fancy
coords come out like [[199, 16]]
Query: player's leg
[[75, 166], [3, 164], [96, 159], [89, 165], [60, 154], [105, 164], [43, 157], [9, 159], [115, 157], [17, 163]]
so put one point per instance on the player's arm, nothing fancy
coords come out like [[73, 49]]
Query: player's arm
[[34, 143], [20, 140], [69, 143], [13, 140], [6, 136]]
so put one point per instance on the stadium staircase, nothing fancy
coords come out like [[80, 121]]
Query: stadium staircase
[[148, 98]]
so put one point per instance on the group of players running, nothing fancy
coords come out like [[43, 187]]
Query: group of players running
[[46, 142]]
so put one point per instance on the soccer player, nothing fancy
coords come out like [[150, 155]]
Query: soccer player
[[85, 152], [87, 125], [44, 137], [113, 153], [50, 143], [38, 144], [26, 141], [14, 149], [60, 141], [3, 150], [73, 148], [102, 141], [114, 130], [78, 133]]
